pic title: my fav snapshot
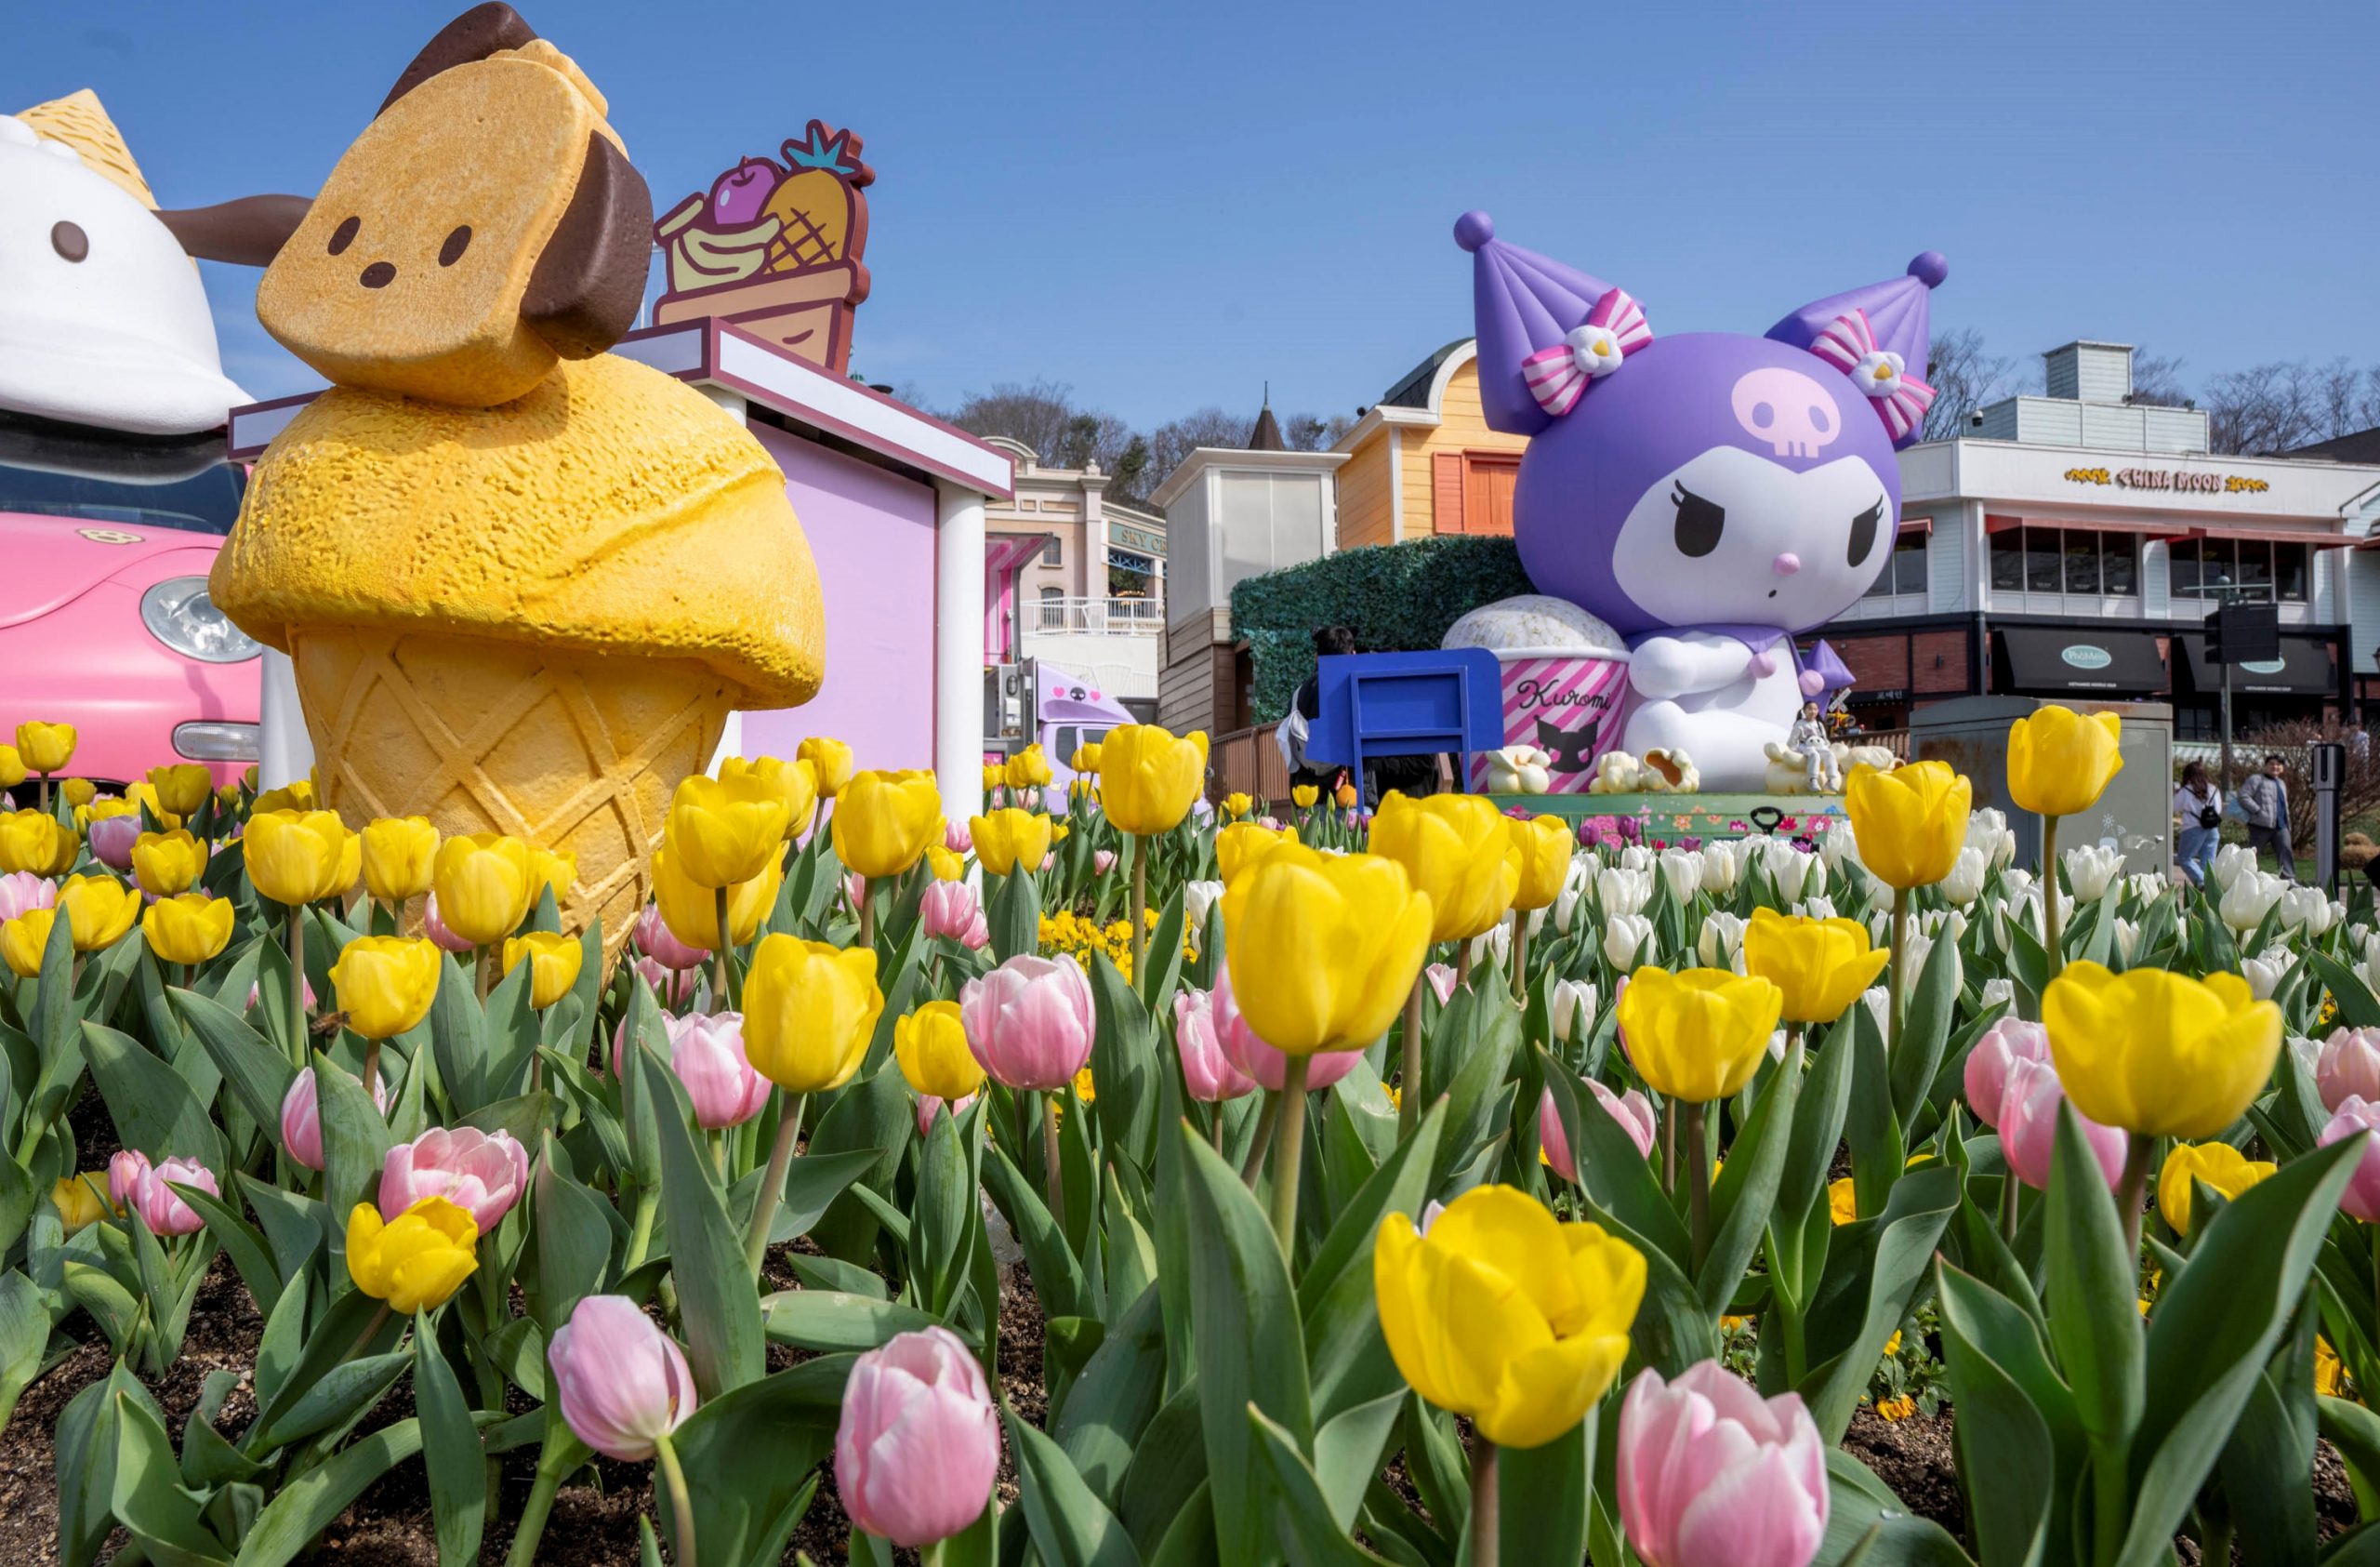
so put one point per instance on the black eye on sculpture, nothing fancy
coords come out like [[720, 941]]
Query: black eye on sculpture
[[456, 242], [1863, 532], [69, 239], [344, 235], [1700, 523]]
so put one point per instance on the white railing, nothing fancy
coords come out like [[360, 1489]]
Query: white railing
[[1115, 617]]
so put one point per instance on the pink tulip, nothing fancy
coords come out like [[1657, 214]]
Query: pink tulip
[[125, 1172], [112, 838], [1632, 1109], [706, 1052], [1441, 979], [1028, 1022], [658, 942], [956, 838], [1261, 1061], [1050, 861], [1102, 861], [671, 987], [620, 1042], [949, 909], [1713, 1475], [919, 1444], [301, 1117], [2354, 1114], [979, 933], [855, 889], [2027, 1123], [928, 1107], [2004, 1043], [307, 986], [2348, 1067], [1269, 823], [1209, 1072], [136, 1187], [623, 1383], [21, 890], [435, 928], [479, 1173]]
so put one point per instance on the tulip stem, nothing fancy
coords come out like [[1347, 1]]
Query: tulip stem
[[371, 1064], [765, 1202], [1052, 1164], [2132, 1192], [1261, 1143], [1408, 1071], [1289, 1152], [1520, 957], [1899, 974], [2053, 940], [1485, 1546], [722, 960], [1140, 906], [681, 1508], [2009, 1186], [1698, 1183], [866, 918], [553, 1460], [297, 986], [1668, 1149]]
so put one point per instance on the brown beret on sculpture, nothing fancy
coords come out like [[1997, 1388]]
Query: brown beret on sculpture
[[524, 581]]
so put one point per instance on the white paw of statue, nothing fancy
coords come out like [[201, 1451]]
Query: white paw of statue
[[1518, 770], [1615, 773]]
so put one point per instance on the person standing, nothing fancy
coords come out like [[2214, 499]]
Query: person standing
[[2198, 805], [2264, 796]]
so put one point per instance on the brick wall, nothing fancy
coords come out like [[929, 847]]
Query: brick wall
[[1950, 648]]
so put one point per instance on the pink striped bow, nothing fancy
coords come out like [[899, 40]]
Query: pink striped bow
[[1849, 344], [1557, 376]]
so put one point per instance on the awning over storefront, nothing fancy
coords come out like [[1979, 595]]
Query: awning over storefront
[[2313, 538], [2077, 659], [2304, 669]]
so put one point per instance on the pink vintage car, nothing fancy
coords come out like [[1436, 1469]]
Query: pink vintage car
[[105, 543]]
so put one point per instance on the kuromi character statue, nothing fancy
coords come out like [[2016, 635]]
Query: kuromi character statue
[[1708, 495]]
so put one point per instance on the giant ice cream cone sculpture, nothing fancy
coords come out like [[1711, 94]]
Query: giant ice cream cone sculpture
[[523, 582]]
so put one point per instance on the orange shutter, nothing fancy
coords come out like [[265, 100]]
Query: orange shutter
[[1445, 492], [1487, 499]]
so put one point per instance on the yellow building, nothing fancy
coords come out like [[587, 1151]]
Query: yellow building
[[1423, 461]]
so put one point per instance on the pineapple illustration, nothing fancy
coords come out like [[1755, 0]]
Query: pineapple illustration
[[825, 218]]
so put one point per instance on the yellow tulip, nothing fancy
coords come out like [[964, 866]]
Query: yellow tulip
[[296, 856], [351, 867], [485, 886], [884, 821], [1087, 757], [295, 796], [2218, 1164], [1147, 778], [24, 939], [553, 960], [830, 763], [416, 1263], [1008, 840], [1820, 966], [2060, 761], [1242, 844], [1303, 796], [141, 795], [691, 912], [34, 841], [182, 787], [166, 863], [1843, 1200], [809, 1010], [99, 909], [1700, 1035], [795, 783], [724, 831], [81, 1200], [552, 871], [995, 777], [12, 767], [188, 928], [79, 791], [945, 865], [46, 747], [1506, 1315], [1323, 948], [1910, 823], [386, 983], [400, 857], [1026, 770], [1546, 844], [2157, 1052], [1236, 805], [931, 1047], [1458, 849]]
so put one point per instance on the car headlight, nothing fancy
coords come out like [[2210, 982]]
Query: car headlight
[[179, 614]]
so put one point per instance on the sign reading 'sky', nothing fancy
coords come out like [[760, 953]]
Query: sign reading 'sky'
[[775, 247]]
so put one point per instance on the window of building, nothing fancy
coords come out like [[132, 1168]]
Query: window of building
[[1053, 551], [2079, 563], [1052, 606], [2008, 561], [2251, 568], [1905, 572]]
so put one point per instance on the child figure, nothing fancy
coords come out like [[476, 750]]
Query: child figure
[[1808, 736]]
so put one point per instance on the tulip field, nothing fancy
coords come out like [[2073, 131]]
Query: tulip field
[[1109, 1179]]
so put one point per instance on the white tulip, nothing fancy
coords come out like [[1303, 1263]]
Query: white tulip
[[1788, 868], [1840, 848], [2249, 898], [1817, 908], [2148, 886], [1777, 1045], [1636, 856], [1965, 883], [1919, 946], [1197, 898], [2127, 940], [2089, 869], [2229, 861], [1988, 835], [2016, 883], [2305, 909], [2372, 962], [1627, 937], [1999, 992], [1566, 908], [1722, 942], [2308, 1052], [2359, 936], [1622, 890], [1880, 1002], [1723, 865], [1574, 1008], [2264, 974], [1682, 868], [1496, 942]]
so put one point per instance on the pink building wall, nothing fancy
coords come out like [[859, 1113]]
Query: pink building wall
[[872, 534]]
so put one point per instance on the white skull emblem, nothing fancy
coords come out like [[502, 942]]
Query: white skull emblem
[[1787, 409]]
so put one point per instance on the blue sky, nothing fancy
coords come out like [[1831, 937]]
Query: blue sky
[[1168, 207]]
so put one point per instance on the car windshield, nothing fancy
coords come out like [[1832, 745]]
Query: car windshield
[[163, 481]]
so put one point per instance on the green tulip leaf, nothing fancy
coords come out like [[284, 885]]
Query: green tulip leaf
[[574, 1241], [1347, 1358], [1747, 1186], [1614, 1175], [749, 1455], [309, 1504], [1874, 1268], [1114, 1399], [825, 1320], [717, 1298], [451, 1452], [2019, 1440], [1542, 1496], [1868, 1526], [148, 1499], [2093, 1283], [151, 1103], [257, 1074], [1871, 1125], [1925, 1032], [1069, 1526], [1309, 1527]]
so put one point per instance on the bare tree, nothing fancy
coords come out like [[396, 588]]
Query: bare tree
[[1964, 378], [1209, 426], [1043, 415], [1312, 433], [2157, 380]]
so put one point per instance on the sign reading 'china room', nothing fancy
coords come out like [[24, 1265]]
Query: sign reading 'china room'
[[2168, 478]]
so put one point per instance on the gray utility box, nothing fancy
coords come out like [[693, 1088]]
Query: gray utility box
[[2135, 814]]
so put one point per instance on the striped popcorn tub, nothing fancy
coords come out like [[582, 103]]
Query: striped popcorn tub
[[1568, 702]]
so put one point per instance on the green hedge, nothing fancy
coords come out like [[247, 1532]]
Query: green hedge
[[1398, 597]]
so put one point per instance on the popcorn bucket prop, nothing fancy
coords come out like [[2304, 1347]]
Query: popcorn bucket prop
[[1566, 701]]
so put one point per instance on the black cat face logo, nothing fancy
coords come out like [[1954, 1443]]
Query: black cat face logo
[[1573, 749]]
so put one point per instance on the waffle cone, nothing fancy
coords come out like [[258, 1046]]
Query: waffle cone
[[575, 753]]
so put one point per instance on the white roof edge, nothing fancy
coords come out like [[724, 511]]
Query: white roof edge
[[1201, 458]]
